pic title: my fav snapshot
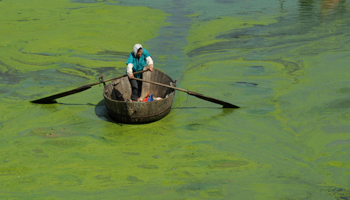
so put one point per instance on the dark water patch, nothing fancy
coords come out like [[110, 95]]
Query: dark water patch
[[276, 33], [133, 179], [222, 47], [291, 67], [249, 88], [110, 72], [203, 142], [68, 180], [40, 155], [192, 187], [226, 1], [246, 84], [261, 111], [255, 70], [343, 103], [48, 132], [102, 57], [103, 177], [14, 170], [27, 180], [88, 1], [188, 173], [146, 166], [76, 8], [336, 128], [71, 68], [256, 42], [227, 164], [132, 153], [210, 189], [201, 126], [76, 104], [114, 53], [3, 91], [26, 62], [261, 68], [338, 142], [46, 53], [37, 150], [254, 31], [42, 78], [193, 126], [344, 90], [8, 76], [113, 4], [339, 193], [64, 143], [5, 65], [27, 20], [18, 144]]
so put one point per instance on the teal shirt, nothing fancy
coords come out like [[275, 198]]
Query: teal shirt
[[138, 63]]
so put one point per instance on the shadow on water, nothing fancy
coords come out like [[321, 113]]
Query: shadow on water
[[76, 104], [102, 112], [185, 108]]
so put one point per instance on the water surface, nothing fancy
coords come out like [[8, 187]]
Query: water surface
[[285, 63]]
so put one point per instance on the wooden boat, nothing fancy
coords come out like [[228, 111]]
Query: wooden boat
[[117, 92]]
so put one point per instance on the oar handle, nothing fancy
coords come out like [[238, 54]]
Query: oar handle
[[161, 84], [111, 79]]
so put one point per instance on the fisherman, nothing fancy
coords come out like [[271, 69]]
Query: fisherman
[[137, 60]]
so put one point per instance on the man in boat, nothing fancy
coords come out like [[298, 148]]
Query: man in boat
[[137, 60]]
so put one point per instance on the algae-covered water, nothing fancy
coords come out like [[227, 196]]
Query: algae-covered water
[[285, 63]]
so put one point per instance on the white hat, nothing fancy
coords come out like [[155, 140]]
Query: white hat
[[136, 48]]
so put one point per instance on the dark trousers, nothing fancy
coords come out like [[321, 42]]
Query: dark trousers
[[136, 88]]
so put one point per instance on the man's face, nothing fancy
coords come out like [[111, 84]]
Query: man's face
[[139, 53]]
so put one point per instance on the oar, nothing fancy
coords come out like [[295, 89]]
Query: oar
[[201, 96], [51, 99]]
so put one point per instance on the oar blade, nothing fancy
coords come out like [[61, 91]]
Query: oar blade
[[47, 100], [210, 99], [51, 99]]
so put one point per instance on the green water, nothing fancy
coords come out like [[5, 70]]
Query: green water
[[284, 63]]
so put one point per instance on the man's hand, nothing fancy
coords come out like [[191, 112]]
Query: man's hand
[[131, 76], [150, 67]]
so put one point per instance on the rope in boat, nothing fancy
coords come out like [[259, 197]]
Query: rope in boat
[[130, 109]]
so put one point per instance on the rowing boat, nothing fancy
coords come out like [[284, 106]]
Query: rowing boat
[[117, 94]]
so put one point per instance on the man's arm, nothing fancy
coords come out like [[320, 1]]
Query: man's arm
[[129, 66], [129, 70], [149, 63]]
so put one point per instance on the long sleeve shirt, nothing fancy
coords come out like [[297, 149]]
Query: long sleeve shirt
[[135, 64]]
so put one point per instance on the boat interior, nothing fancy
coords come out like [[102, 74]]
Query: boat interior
[[120, 89]]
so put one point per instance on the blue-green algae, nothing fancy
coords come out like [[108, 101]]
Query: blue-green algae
[[285, 64]]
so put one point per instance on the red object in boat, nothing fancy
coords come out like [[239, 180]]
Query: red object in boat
[[146, 98]]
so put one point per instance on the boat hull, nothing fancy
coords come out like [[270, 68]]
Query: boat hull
[[118, 91]]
